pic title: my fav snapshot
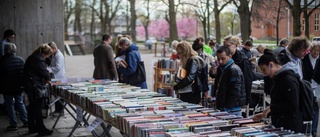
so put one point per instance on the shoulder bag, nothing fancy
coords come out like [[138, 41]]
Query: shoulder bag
[[140, 75], [40, 92]]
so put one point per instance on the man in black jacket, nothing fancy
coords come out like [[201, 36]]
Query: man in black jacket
[[243, 62], [230, 93], [11, 72]]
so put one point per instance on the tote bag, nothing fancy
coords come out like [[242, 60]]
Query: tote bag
[[139, 76]]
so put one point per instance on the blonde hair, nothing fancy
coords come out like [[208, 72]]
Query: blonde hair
[[43, 49], [235, 40], [187, 52]]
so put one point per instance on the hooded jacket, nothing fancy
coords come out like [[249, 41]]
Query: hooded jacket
[[132, 59], [284, 104]]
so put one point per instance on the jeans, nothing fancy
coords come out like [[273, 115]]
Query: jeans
[[315, 120], [10, 109]]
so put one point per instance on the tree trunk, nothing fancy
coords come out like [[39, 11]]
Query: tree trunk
[[245, 23], [204, 22], [66, 29], [217, 22], [173, 23], [277, 21], [133, 19], [296, 13], [78, 27], [92, 27], [208, 20]]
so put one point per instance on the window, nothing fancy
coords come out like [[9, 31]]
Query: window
[[316, 22]]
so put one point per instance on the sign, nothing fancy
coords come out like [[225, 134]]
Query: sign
[[79, 114], [94, 124]]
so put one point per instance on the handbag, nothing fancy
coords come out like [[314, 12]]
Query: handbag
[[139, 76], [40, 92]]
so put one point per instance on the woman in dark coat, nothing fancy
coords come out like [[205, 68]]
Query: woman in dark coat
[[37, 75]]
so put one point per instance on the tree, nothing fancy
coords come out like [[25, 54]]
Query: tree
[[106, 13], [200, 10], [217, 12], [264, 11], [296, 10], [77, 22], [68, 10], [186, 26], [245, 14], [133, 19], [145, 20], [92, 26], [173, 35], [307, 13]]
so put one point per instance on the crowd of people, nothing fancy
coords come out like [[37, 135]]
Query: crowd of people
[[229, 64], [234, 71], [18, 75]]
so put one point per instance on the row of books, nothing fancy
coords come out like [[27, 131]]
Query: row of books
[[166, 78], [143, 113], [168, 64]]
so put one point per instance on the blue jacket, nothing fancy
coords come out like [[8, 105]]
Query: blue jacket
[[132, 58]]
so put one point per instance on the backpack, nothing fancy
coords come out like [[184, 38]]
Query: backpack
[[306, 100], [202, 78]]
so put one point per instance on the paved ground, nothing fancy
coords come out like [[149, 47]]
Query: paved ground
[[78, 66]]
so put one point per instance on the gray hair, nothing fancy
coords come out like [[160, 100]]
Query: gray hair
[[9, 49], [125, 40], [52, 45]]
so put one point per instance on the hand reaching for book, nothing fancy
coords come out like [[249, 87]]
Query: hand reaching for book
[[122, 63]]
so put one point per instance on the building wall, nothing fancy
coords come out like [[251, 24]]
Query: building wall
[[34, 21], [260, 28]]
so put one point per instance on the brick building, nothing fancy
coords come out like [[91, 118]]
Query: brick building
[[263, 25]]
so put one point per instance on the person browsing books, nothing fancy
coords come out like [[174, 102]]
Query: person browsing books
[[36, 75], [105, 67], [230, 93], [11, 71], [284, 105], [128, 66], [190, 85]]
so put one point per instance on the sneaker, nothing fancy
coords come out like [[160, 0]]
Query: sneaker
[[12, 128], [45, 133]]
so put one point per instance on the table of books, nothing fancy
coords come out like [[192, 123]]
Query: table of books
[[142, 113]]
